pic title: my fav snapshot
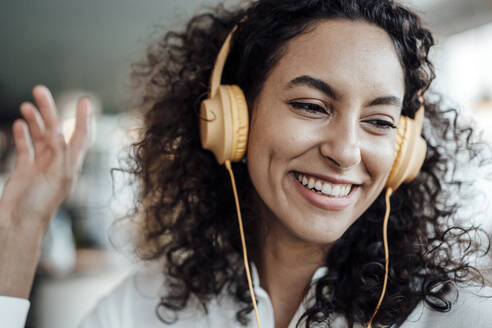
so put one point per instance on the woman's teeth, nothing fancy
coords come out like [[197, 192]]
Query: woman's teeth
[[326, 188]]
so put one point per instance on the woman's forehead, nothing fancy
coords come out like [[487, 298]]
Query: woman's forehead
[[344, 52]]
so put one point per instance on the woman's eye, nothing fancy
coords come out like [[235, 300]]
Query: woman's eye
[[308, 107], [382, 124]]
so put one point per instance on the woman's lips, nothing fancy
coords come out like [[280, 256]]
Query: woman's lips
[[323, 201]]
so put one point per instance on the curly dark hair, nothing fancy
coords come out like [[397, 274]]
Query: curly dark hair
[[185, 198]]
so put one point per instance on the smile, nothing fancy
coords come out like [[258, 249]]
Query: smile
[[324, 187], [324, 194]]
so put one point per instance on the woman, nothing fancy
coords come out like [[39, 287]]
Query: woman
[[326, 82]]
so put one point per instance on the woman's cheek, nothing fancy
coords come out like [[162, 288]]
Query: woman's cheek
[[379, 157]]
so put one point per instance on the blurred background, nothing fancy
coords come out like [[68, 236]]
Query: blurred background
[[87, 48]]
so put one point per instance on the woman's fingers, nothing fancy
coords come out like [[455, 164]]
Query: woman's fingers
[[80, 139], [44, 127], [46, 106], [25, 153], [33, 119]]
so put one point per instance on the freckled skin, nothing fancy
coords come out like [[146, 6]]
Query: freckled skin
[[359, 61]]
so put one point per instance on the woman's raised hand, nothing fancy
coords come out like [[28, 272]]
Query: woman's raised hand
[[46, 170]]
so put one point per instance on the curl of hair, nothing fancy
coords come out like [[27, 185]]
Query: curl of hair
[[187, 210]]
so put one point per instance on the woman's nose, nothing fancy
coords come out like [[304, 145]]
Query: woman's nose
[[341, 144]]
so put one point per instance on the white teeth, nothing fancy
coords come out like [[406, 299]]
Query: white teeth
[[326, 188]]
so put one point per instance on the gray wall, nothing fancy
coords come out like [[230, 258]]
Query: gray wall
[[91, 44], [78, 44]]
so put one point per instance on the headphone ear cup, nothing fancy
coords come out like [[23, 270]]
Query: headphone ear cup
[[410, 149], [240, 122], [224, 123]]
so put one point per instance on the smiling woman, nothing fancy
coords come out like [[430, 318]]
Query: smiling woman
[[326, 86], [326, 83], [321, 114]]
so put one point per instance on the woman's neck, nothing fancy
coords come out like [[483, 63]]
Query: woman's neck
[[286, 265]]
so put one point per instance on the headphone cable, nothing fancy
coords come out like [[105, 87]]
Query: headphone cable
[[245, 253], [243, 242], [389, 191]]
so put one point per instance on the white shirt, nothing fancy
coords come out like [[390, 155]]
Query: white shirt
[[132, 304], [13, 311]]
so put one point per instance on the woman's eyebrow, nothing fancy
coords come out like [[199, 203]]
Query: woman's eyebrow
[[332, 93], [388, 100], [315, 83]]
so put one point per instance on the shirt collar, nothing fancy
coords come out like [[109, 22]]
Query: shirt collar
[[320, 272]]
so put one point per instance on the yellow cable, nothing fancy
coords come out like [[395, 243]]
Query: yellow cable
[[386, 253], [243, 242], [245, 253]]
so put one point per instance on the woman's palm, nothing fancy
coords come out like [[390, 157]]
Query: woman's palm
[[46, 166]]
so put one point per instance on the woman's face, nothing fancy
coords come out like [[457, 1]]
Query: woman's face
[[321, 141]]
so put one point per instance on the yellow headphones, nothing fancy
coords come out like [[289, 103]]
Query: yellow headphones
[[224, 131], [224, 127]]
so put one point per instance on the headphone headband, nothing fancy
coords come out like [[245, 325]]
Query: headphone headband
[[216, 75]]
